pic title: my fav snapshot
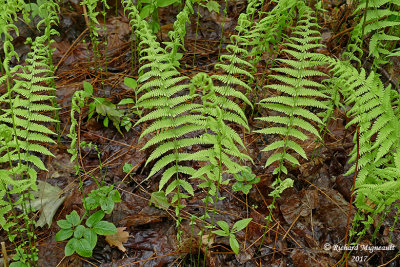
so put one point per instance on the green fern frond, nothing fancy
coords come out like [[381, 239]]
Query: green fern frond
[[297, 94], [379, 18]]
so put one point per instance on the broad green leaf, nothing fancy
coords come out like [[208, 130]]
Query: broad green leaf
[[83, 248], [164, 3], [132, 83], [224, 226], [246, 188], [91, 236], [155, 26], [115, 196], [78, 233], [107, 204], [64, 234], [240, 225], [105, 122], [238, 186], [95, 218], [126, 101], [104, 228], [70, 247], [127, 167], [220, 233], [88, 88], [64, 224], [73, 218], [234, 244], [146, 11], [19, 264]]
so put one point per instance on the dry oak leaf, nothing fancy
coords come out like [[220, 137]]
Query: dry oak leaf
[[118, 238]]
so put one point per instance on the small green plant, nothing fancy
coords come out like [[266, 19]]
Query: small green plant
[[103, 107], [84, 238], [104, 197], [238, 226], [132, 84], [245, 181], [279, 186], [94, 29], [151, 8]]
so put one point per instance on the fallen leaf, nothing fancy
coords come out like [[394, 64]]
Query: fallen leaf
[[118, 238], [47, 199], [159, 200]]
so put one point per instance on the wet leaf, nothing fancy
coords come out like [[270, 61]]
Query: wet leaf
[[95, 218], [104, 228], [118, 238], [47, 200], [159, 200]]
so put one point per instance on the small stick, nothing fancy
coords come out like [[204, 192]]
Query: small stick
[[4, 251]]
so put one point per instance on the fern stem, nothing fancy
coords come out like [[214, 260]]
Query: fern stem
[[365, 20], [214, 211], [14, 126], [195, 38], [222, 29]]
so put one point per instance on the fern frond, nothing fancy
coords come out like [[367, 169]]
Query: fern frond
[[297, 94]]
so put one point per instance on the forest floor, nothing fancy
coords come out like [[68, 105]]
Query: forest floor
[[310, 219]]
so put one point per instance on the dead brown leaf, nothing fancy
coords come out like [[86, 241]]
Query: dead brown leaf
[[118, 238]]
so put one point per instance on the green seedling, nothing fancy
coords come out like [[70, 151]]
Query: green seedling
[[245, 181], [103, 107], [238, 226], [104, 197], [151, 8], [84, 237]]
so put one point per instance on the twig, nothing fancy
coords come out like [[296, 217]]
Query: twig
[[5, 256], [352, 193]]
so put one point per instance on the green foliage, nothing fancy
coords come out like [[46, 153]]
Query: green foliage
[[212, 6], [172, 110], [238, 226], [84, 238], [23, 131], [375, 112], [177, 35], [78, 101], [92, 14], [192, 125], [109, 111], [266, 33], [245, 181], [150, 7], [105, 197], [296, 94], [380, 20]]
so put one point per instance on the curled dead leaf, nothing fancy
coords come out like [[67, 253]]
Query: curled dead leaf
[[118, 238]]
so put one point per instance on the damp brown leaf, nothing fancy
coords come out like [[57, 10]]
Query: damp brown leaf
[[118, 238]]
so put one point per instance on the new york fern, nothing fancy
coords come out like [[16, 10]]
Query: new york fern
[[296, 95]]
